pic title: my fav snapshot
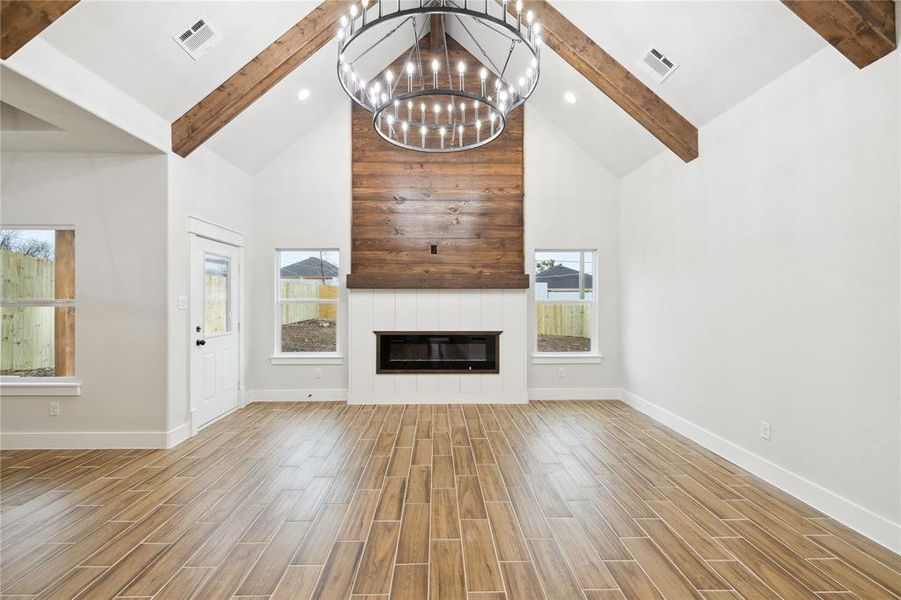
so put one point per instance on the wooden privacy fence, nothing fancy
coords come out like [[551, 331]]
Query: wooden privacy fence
[[294, 312], [215, 303], [564, 319], [27, 338]]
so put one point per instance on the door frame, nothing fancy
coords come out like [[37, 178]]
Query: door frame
[[202, 229]]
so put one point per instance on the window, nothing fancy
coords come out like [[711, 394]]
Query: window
[[565, 301], [38, 302], [307, 302], [216, 305]]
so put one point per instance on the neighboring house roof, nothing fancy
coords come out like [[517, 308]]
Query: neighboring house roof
[[560, 277], [310, 268]]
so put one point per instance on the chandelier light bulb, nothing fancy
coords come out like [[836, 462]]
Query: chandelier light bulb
[[536, 30], [343, 21], [483, 74], [389, 76], [353, 11], [478, 131], [518, 6], [460, 131], [404, 127], [340, 34], [461, 67], [409, 68], [442, 132], [435, 65], [530, 16], [409, 110], [422, 132], [437, 111], [534, 63]]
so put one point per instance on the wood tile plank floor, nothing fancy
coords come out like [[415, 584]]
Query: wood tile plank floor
[[551, 500]]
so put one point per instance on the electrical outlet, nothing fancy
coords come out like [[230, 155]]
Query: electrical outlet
[[561, 373], [54, 409], [765, 430], [317, 373]]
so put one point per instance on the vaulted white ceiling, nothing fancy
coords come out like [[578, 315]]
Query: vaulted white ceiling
[[726, 51]]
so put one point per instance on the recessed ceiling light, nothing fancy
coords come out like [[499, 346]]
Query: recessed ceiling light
[[303, 94], [569, 97]]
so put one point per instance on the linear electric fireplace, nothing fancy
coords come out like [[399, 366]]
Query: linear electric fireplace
[[437, 352]]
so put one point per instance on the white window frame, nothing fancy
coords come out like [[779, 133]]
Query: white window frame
[[306, 358], [11, 385], [593, 355]]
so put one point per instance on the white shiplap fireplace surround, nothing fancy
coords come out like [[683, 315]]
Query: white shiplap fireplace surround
[[437, 310]]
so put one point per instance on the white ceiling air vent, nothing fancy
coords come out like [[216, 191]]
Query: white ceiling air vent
[[198, 38], [657, 64]]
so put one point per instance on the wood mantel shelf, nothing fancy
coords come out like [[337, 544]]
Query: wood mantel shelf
[[505, 281]]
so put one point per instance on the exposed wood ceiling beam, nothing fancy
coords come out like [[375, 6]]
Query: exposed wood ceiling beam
[[862, 30], [606, 74], [436, 36], [257, 77], [22, 20]]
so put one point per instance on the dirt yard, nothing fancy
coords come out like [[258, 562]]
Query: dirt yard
[[563, 343], [313, 335]]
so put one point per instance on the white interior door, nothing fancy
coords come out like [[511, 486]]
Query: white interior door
[[215, 346]]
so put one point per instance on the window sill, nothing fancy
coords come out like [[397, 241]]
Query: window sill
[[307, 359], [32, 386], [566, 358]]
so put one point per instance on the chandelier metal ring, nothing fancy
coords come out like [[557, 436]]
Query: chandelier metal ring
[[391, 127], [399, 114]]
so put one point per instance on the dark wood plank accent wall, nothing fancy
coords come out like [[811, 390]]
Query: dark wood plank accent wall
[[469, 205]]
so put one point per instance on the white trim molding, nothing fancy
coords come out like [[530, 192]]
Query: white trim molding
[[575, 393], [877, 528], [336, 395], [307, 359], [215, 232], [48, 387], [564, 358], [92, 440]]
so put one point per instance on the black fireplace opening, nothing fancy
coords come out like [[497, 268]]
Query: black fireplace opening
[[437, 352]]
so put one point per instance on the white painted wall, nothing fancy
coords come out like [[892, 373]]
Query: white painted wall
[[302, 200], [206, 187], [572, 202], [117, 204], [761, 282]]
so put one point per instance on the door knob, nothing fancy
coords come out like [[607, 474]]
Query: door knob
[[201, 342]]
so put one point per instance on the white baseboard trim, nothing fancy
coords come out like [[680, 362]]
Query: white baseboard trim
[[177, 435], [877, 528], [575, 393], [337, 395], [91, 440], [437, 398]]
